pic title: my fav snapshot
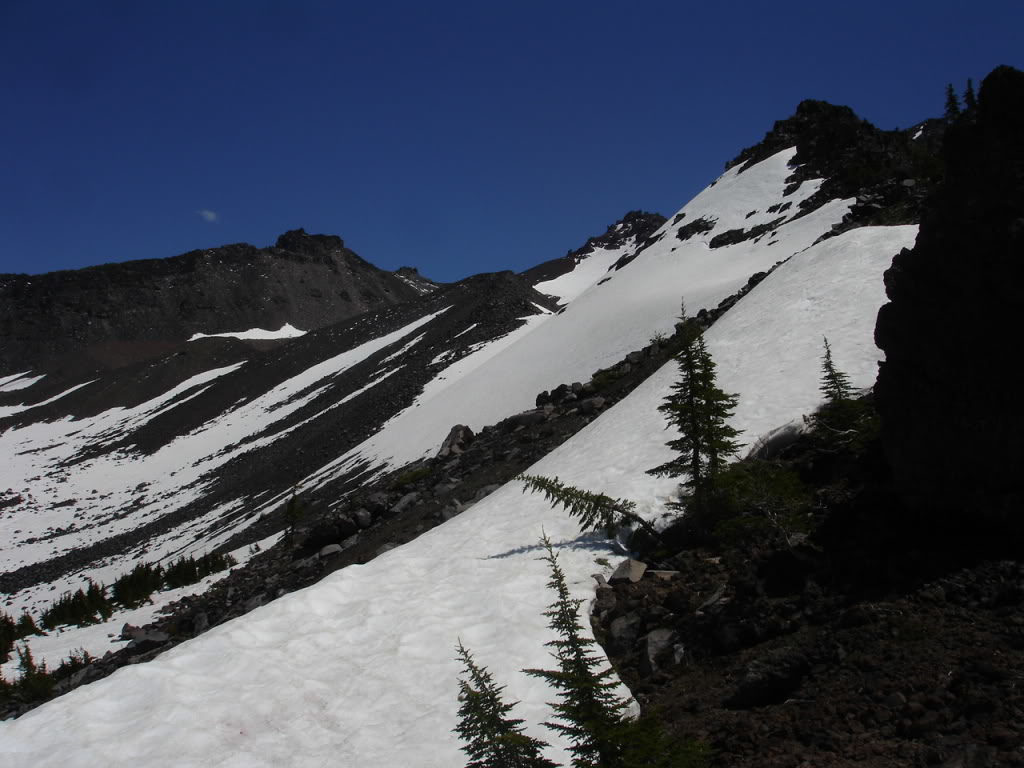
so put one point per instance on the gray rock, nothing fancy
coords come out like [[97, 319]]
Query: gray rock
[[623, 633], [459, 438], [486, 491], [716, 597], [604, 599], [330, 550], [591, 404], [200, 622], [656, 650], [635, 358], [146, 640], [405, 501], [628, 570], [663, 575], [362, 518], [254, 602], [529, 418]]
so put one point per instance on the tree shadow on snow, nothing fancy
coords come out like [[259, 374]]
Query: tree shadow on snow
[[589, 541]]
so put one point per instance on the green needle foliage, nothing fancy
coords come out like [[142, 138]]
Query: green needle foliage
[[82, 607], [588, 712], [595, 511], [492, 739], [835, 385], [700, 411]]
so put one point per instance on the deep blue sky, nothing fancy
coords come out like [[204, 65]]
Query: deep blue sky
[[458, 137]]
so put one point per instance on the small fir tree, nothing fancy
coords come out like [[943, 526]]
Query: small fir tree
[[492, 739], [700, 410], [970, 100], [588, 713], [835, 385], [27, 625], [952, 104]]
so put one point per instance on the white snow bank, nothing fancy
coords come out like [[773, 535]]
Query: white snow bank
[[286, 331], [358, 669], [10, 410], [18, 381]]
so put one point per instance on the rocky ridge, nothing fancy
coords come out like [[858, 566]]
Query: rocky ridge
[[114, 315]]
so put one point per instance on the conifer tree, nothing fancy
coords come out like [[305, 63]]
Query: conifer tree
[[952, 104], [970, 100], [700, 410], [492, 739], [835, 385], [587, 712]]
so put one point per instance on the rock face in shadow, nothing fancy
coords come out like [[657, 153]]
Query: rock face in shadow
[[950, 405], [116, 314]]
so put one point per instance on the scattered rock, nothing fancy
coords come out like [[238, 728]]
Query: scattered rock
[[628, 570]]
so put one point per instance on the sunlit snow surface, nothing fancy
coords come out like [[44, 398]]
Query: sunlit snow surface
[[358, 669]]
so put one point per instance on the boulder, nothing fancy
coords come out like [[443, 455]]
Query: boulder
[[628, 571], [404, 502], [459, 439], [330, 550], [146, 640], [623, 633], [656, 650], [362, 518]]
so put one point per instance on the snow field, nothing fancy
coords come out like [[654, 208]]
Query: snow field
[[286, 331], [165, 480], [358, 669]]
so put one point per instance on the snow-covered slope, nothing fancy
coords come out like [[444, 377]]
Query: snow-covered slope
[[358, 669], [610, 314], [64, 464]]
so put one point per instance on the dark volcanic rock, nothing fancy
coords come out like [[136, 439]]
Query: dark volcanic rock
[[856, 159], [951, 418], [635, 224], [116, 314]]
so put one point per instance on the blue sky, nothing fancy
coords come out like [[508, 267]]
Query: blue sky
[[458, 137]]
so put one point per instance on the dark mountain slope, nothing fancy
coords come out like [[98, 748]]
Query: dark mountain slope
[[113, 315], [270, 461]]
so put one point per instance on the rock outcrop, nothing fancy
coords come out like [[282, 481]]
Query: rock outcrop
[[951, 413]]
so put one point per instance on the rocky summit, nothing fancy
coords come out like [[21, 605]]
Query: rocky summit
[[280, 480]]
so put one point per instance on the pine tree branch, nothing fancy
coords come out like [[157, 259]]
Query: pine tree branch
[[595, 510]]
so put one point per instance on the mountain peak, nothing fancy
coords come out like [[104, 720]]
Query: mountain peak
[[299, 241]]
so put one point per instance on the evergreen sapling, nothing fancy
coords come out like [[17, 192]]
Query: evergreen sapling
[[700, 410], [492, 739], [835, 385]]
